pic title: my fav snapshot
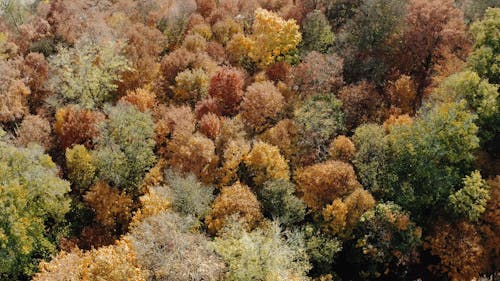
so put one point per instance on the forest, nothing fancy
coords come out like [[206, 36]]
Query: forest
[[249, 140]]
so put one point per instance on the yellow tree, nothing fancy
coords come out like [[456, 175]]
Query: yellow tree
[[274, 37], [266, 163]]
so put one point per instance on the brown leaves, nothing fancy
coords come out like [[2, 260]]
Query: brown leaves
[[322, 183], [261, 105], [112, 208], [235, 200], [77, 126], [459, 249], [226, 87]]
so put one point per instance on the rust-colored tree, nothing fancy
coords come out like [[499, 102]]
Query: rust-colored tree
[[434, 29], [459, 250], [210, 125], [226, 87], [361, 103], [35, 129], [193, 153], [77, 126]]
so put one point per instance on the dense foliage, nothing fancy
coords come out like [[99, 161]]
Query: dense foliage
[[257, 140]]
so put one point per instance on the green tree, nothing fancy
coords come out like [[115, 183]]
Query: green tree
[[365, 38], [263, 254], [316, 33], [320, 118], [321, 248], [189, 196], [372, 158], [33, 204], [279, 202], [88, 73], [81, 167], [385, 242], [482, 98], [470, 201], [484, 58], [125, 147], [430, 157]]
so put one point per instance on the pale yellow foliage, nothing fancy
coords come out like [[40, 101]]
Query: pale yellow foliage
[[266, 163]]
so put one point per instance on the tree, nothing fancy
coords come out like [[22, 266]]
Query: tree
[[144, 45], [265, 162], [435, 30], [226, 87], [236, 200], [142, 98], [284, 136], [174, 121], [385, 242], [113, 263], [491, 224], [233, 154], [33, 203], [316, 33], [459, 249], [77, 126], [484, 58], [341, 216], [317, 74], [372, 159], [261, 105], [210, 125], [14, 11], [193, 153], [322, 183], [342, 149], [65, 266], [482, 98], [280, 203], [262, 254], [275, 39], [319, 119], [167, 250], [125, 147], [321, 248], [172, 64], [81, 167], [13, 91], [361, 103], [36, 71], [187, 195], [402, 94], [278, 71], [225, 29], [88, 74], [191, 85], [111, 207], [474, 10], [35, 129], [365, 40], [430, 157], [470, 201]]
